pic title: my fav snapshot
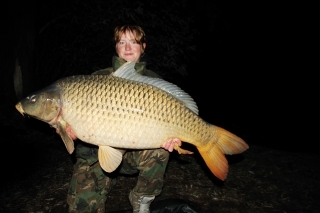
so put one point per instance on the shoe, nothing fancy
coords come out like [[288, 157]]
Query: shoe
[[140, 204]]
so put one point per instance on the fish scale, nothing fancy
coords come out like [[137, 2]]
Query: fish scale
[[129, 111], [116, 119]]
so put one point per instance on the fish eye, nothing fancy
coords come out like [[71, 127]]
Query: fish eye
[[33, 98]]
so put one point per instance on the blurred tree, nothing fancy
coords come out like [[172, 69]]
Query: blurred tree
[[76, 36]]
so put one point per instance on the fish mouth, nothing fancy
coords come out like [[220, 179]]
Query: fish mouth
[[19, 108]]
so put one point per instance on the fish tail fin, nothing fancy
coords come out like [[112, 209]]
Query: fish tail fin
[[222, 142]]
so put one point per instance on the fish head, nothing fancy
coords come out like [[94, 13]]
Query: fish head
[[44, 105]]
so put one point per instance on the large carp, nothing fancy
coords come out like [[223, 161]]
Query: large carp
[[128, 111]]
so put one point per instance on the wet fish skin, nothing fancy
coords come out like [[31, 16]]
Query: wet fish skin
[[129, 112]]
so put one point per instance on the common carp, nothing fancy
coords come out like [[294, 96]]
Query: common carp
[[129, 111]]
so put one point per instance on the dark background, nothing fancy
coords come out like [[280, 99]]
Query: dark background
[[251, 66], [247, 68]]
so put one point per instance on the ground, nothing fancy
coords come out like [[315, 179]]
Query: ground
[[37, 168]]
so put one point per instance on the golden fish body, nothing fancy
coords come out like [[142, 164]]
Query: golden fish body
[[129, 111], [106, 110]]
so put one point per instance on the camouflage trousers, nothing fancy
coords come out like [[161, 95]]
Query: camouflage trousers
[[90, 185]]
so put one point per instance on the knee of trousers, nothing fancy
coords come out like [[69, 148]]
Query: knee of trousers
[[151, 157], [89, 184], [156, 159]]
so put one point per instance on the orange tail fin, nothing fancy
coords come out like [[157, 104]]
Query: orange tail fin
[[222, 142]]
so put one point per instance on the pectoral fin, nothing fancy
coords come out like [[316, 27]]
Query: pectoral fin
[[67, 140], [109, 158]]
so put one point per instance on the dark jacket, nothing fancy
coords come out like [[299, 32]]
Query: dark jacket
[[117, 62]]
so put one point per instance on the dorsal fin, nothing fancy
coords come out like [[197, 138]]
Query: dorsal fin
[[127, 71]]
